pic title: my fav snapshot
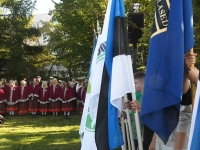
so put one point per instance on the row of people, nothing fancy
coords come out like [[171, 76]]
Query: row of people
[[41, 97]]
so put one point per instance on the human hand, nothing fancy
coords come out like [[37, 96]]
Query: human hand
[[190, 58], [135, 105], [193, 74]]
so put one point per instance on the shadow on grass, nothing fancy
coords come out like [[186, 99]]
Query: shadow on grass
[[42, 121], [58, 140], [40, 133]]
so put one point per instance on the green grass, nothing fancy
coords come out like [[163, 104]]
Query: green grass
[[40, 133]]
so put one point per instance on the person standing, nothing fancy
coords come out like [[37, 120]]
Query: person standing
[[2, 100], [44, 98], [12, 96], [54, 93], [33, 97], [23, 98], [81, 97], [66, 101]]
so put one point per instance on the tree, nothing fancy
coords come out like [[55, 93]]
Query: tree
[[148, 8], [72, 35], [20, 51]]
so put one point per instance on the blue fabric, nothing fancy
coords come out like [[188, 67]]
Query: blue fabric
[[196, 132], [114, 132], [165, 68]]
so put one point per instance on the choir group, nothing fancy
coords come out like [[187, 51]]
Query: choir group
[[43, 97]]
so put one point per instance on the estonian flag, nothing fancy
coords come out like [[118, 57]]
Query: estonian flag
[[117, 80], [172, 38], [193, 143]]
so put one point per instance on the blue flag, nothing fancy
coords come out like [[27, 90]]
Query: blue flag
[[172, 38], [193, 143], [117, 80]]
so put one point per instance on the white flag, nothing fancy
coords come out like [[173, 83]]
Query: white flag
[[88, 121]]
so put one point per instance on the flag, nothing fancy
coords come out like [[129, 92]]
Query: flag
[[117, 80], [88, 121], [172, 38], [94, 46], [193, 143]]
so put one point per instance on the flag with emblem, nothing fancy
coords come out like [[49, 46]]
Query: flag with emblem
[[88, 121], [172, 37]]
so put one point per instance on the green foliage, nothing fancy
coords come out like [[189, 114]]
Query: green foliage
[[148, 8], [196, 11], [20, 51], [72, 36]]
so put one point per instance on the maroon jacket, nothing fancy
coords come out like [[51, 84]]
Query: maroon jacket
[[23, 93], [44, 95], [81, 94], [54, 93], [34, 90], [12, 98]]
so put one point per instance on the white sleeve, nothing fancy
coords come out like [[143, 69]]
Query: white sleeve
[[184, 118]]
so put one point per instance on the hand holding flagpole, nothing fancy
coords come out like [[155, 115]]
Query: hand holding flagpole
[[193, 85]]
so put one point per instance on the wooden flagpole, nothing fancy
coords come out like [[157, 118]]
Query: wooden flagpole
[[193, 85]]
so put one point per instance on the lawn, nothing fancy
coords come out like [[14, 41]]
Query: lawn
[[40, 133]]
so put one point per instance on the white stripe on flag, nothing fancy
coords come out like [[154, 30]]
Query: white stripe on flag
[[122, 80]]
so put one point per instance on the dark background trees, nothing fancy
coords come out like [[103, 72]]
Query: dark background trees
[[15, 33], [69, 36]]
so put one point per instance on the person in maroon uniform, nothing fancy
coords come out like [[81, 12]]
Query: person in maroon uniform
[[66, 100], [12, 96], [33, 97], [81, 97], [44, 98], [23, 98], [2, 99], [72, 96], [54, 97]]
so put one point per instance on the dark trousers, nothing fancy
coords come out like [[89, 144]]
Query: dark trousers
[[148, 135]]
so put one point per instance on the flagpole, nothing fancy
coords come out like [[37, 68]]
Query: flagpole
[[193, 85], [129, 123], [137, 123], [123, 132], [127, 134]]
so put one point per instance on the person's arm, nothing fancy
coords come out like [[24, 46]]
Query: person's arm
[[180, 140], [183, 126], [152, 146]]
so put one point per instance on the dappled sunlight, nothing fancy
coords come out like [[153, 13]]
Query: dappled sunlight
[[40, 133]]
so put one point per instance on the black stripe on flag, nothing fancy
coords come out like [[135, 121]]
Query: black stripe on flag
[[101, 131], [121, 37]]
